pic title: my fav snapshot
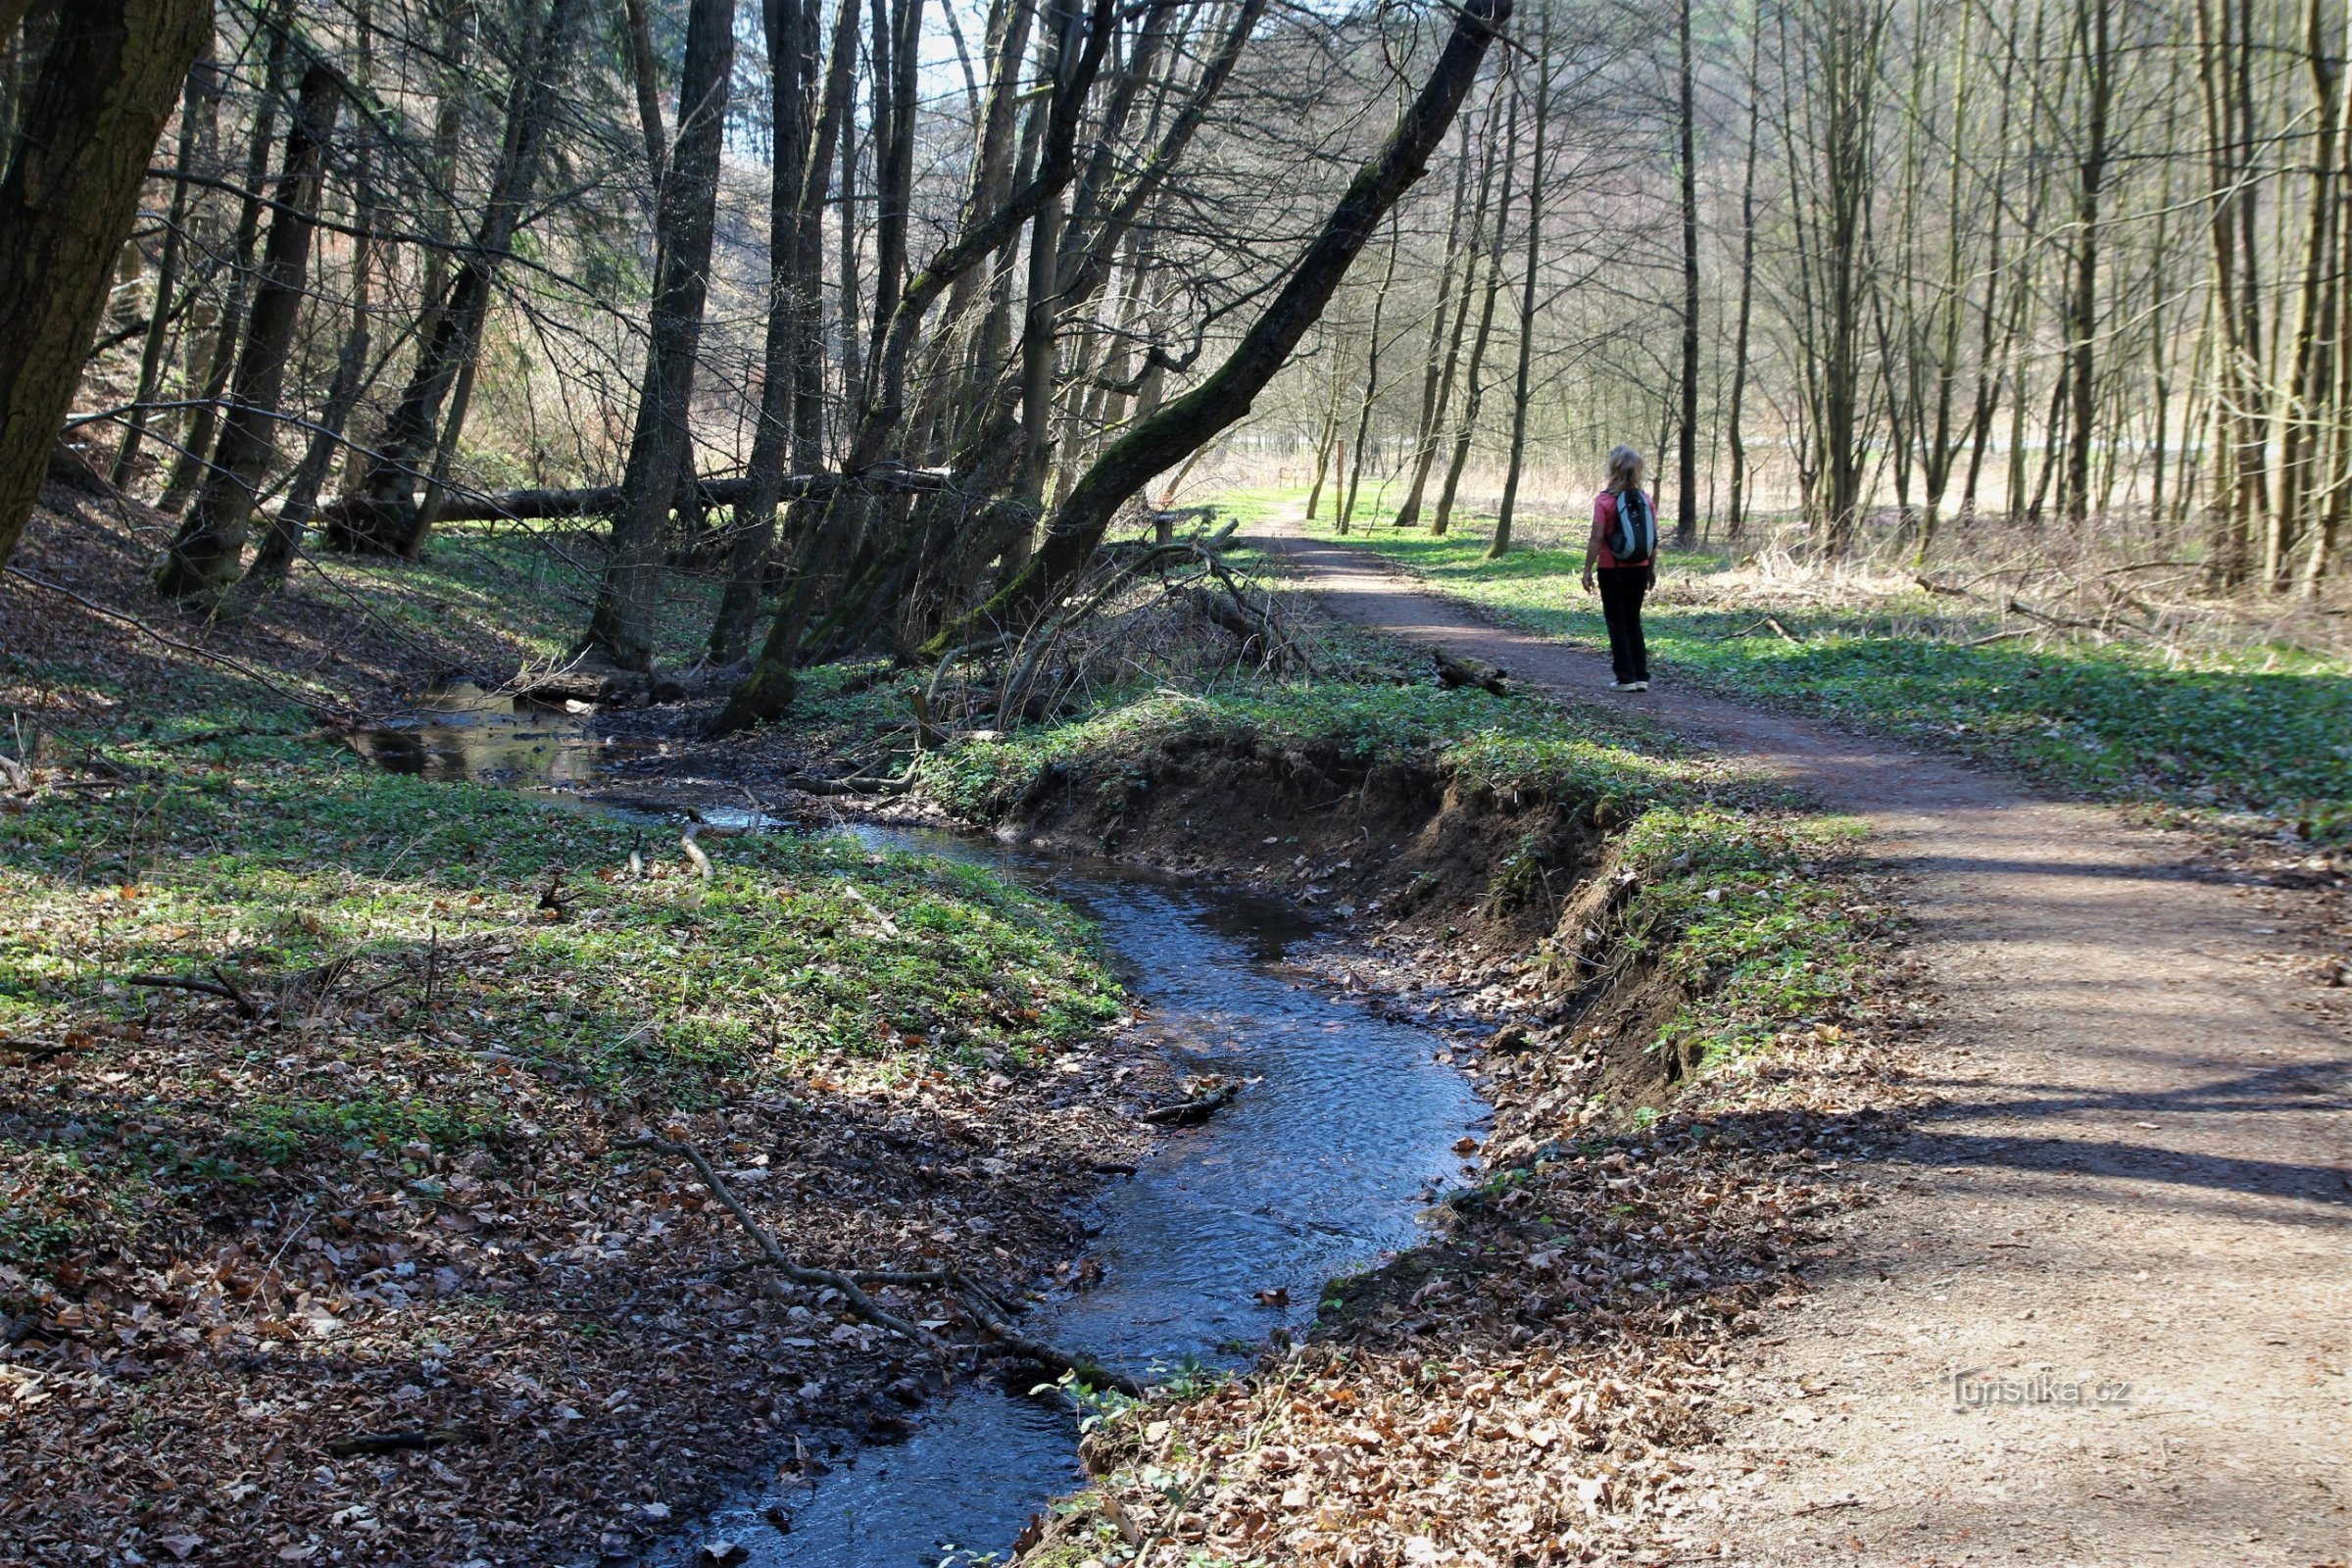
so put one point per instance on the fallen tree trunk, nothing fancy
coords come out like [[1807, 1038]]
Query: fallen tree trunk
[[603, 500]]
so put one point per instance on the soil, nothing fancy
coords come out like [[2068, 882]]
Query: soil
[[2099, 1312]]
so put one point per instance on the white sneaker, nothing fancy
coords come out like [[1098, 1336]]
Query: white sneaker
[[1640, 686], [1626, 686]]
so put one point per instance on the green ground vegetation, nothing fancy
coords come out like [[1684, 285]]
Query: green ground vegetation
[[2262, 729], [411, 943]]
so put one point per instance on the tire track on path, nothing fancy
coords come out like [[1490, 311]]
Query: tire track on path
[[2137, 1175]]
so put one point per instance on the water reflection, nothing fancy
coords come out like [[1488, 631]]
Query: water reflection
[[1319, 1169], [461, 731]]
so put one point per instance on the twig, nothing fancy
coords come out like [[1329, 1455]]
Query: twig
[[338, 718], [220, 987], [983, 1306], [395, 1441], [865, 1305]]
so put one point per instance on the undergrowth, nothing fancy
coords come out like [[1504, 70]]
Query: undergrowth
[[413, 941]]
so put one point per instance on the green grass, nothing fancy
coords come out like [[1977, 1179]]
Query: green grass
[[1735, 907], [1370, 704], [2265, 730], [799, 961]]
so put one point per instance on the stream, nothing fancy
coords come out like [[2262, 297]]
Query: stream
[[1320, 1168]]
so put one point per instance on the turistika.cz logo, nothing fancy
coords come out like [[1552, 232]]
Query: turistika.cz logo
[[1974, 1388]]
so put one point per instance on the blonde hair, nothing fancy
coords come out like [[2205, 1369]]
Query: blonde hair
[[1624, 469]]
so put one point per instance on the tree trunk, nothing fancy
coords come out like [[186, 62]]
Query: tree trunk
[[1473, 373], [1181, 426], [203, 94], [385, 515], [621, 626], [1686, 523], [1736, 523], [209, 552], [196, 445], [793, 387], [105, 91], [2095, 36], [1521, 391], [1436, 373], [767, 690], [1363, 412]]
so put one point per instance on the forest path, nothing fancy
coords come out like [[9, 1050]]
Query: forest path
[[2136, 1175]]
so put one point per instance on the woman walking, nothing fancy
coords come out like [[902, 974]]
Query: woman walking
[[1623, 554]]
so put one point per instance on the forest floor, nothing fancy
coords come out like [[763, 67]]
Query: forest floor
[[2096, 1312], [339, 1255], [389, 1203]]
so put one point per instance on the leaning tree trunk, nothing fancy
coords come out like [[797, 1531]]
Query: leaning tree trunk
[[621, 625], [209, 549], [105, 91], [1180, 427]]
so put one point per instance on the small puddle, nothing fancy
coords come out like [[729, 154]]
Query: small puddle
[[1320, 1168], [464, 731]]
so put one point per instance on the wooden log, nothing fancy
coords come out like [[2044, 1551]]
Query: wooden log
[[1193, 1112], [600, 501], [1453, 672]]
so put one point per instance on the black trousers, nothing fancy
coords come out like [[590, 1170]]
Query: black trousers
[[1621, 591]]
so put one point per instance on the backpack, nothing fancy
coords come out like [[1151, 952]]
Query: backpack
[[1634, 540]]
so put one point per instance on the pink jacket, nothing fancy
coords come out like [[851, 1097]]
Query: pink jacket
[[1604, 523]]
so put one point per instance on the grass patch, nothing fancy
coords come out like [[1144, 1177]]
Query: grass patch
[[411, 946], [2265, 730], [1735, 907]]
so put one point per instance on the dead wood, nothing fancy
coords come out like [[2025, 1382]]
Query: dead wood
[[984, 1308], [396, 1442], [219, 986], [1193, 1112], [1453, 672]]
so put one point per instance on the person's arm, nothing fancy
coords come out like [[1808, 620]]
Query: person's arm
[[1602, 508]]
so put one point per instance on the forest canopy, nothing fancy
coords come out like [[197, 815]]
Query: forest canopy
[[879, 319]]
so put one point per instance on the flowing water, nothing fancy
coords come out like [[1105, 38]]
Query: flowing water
[[1320, 1168]]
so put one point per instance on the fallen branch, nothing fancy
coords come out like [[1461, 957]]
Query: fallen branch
[[219, 986], [1193, 1112], [865, 1305], [2070, 623], [598, 500], [396, 1442], [983, 1306], [1453, 672], [1786, 635]]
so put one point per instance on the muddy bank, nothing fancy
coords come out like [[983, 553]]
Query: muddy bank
[[1666, 1158]]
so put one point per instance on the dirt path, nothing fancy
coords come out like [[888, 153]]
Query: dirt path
[[2138, 1176]]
